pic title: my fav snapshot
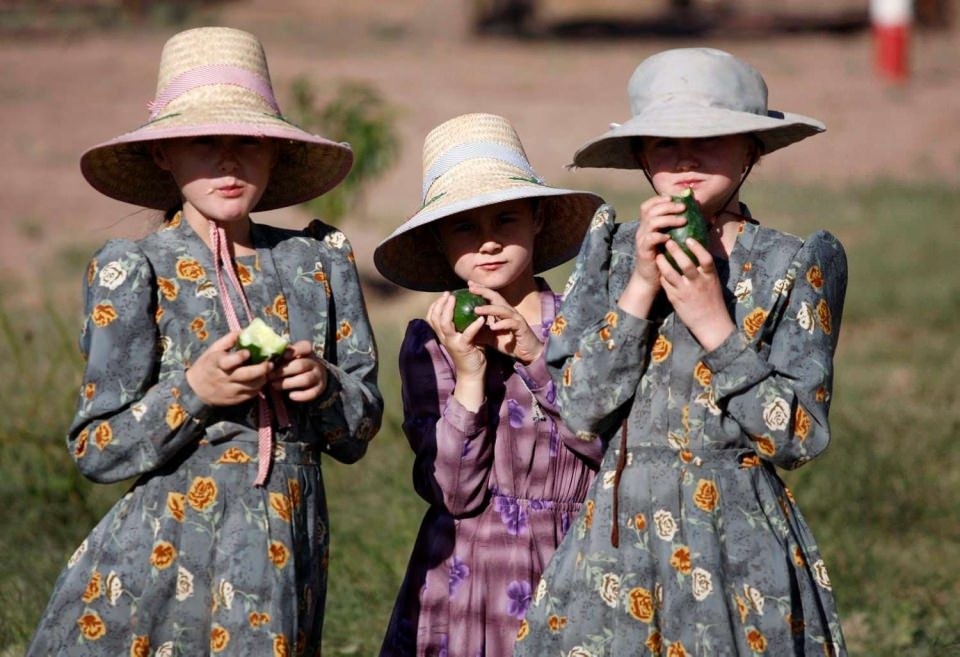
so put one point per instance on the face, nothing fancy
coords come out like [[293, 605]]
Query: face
[[711, 166], [220, 177], [492, 245]]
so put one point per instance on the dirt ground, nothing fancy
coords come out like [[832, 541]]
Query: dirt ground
[[60, 95]]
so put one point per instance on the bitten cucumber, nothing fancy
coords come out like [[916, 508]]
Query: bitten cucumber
[[261, 341], [696, 227], [464, 308]]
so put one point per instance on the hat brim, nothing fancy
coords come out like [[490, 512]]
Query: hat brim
[[614, 150], [411, 256], [308, 165]]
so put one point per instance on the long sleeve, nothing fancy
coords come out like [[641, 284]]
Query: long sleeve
[[349, 412], [454, 447], [129, 420], [781, 398], [592, 335], [536, 376]]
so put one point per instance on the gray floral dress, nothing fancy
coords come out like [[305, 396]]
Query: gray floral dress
[[194, 559], [713, 556]]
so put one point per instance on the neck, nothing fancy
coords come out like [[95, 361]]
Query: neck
[[238, 235], [725, 228], [526, 299]]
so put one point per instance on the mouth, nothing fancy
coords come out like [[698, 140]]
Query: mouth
[[490, 266], [230, 191]]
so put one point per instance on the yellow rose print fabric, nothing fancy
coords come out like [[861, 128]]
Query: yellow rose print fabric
[[194, 560], [714, 556]]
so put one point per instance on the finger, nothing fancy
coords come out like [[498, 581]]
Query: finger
[[487, 293], [470, 332], [680, 257], [668, 275], [703, 256], [255, 374], [225, 342]]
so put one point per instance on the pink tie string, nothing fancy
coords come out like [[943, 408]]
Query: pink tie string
[[222, 261]]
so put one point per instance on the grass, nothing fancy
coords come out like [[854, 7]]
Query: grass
[[881, 501]]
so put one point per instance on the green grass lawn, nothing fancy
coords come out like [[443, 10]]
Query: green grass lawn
[[882, 501]]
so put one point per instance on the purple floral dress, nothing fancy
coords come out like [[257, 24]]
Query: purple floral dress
[[503, 485]]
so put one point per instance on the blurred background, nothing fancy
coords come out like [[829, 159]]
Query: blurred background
[[885, 178]]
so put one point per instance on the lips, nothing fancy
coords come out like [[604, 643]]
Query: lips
[[230, 191]]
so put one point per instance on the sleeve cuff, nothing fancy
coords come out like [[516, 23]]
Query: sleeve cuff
[[735, 366], [535, 375], [462, 419]]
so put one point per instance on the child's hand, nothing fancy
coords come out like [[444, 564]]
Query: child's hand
[[219, 376], [657, 215], [508, 332], [469, 359], [299, 373], [696, 294], [468, 356]]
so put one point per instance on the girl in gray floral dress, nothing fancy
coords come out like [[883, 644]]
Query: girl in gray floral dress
[[705, 378], [220, 546]]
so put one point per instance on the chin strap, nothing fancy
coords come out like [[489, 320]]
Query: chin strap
[[730, 197], [222, 261]]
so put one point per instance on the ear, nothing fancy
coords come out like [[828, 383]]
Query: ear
[[638, 151], [159, 155], [536, 205]]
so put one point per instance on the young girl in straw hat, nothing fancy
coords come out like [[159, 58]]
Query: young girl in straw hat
[[221, 543], [710, 376], [503, 476]]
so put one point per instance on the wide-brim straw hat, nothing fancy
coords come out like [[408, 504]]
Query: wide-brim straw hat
[[215, 81], [695, 93], [471, 161]]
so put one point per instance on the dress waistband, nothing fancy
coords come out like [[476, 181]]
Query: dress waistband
[[502, 500], [722, 457], [242, 450]]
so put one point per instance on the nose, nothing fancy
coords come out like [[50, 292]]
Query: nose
[[687, 158], [489, 242], [228, 159]]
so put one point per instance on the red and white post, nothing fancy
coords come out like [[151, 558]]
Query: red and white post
[[891, 20]]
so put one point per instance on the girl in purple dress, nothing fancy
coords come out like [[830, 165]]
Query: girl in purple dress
[[502, 474]]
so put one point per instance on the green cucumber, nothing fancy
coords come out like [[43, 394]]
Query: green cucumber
[[696, 227], [464, 308], [261, 341]]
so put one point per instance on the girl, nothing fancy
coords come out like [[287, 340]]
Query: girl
[[713, 375], [222, 540], [501, 473]]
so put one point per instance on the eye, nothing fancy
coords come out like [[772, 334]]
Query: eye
[[461, 227], [662, 143], [504, 219]]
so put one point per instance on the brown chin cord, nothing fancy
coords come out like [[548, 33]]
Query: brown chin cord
[[736, 190]]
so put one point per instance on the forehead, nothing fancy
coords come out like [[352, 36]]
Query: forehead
[[523, 206]]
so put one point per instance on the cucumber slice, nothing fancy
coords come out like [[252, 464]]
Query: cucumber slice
[[261, 341], [696, 227]]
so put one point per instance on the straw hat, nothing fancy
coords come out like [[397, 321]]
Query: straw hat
[[469, 162], [691, 93], [214, 81]]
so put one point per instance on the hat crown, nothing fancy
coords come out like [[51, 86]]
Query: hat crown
[[211, 67], [465, 141], [703, 77]]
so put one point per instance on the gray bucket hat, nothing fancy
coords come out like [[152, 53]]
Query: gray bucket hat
[[693, 93], [471, 161]]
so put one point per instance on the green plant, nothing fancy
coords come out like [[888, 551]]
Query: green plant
[[356, 114]]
